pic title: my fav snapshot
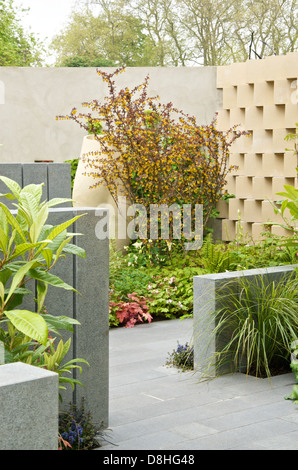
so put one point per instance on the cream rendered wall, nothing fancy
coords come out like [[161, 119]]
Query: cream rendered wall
[[262, 97], [30, 99]]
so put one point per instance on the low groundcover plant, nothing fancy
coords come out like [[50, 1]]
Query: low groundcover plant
[[77, 430], [181, 357]]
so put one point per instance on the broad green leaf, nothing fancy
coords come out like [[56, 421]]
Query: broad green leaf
[[3, 222], [17, 278], [293, 208], [20, 290], [34, 190], [14, 187], [12, 221], [49, 278], [284, 206], [60, 248], [30, 324], [29, 203], [72, 382], [12, 240], [60, 228], [62, 322], [21, 249], [3, 241], [5, 274], [38, 223], [2, 290], [56, 201], [56, 242], [8, 196], [48, 256], [24, 217], [41, 294], [291, 192], [74, 250]]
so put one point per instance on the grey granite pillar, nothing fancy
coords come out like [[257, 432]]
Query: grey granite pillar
[[90, 341]]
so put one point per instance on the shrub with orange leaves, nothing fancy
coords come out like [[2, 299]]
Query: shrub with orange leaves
[[160, 155]]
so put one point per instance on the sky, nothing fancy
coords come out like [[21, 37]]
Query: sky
[[45, 17]]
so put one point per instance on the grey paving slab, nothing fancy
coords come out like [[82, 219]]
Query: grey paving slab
[[156, 407]]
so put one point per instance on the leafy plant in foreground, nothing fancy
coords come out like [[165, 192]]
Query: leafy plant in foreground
[[29, 249]]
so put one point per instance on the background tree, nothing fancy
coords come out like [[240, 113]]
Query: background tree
[[17, 47], [112, 37], [182, 32]]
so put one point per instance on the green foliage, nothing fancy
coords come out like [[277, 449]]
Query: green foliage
[[182, 357], [165, 278], [256, 321], [151, 33], [109, 39], [29, 249], [170, 293], [272, 250], [94, 126], [215, 258], [167, 287], [289, 205], [77, 61], [294, 366], [293, 136], [77, 430], [73, 169], [17, 48]]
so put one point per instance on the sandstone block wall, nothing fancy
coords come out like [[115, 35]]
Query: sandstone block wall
[[261, 96]]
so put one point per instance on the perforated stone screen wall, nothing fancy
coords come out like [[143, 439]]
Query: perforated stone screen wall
[[261, 96]]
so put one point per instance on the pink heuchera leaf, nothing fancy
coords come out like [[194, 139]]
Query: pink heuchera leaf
[[130, 313]]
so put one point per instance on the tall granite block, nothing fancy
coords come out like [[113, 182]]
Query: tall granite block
[[60, 301], [209, 293], [90, 306], [92, 311], [28, 408], [59, 181], [55, 176], [36, 173]]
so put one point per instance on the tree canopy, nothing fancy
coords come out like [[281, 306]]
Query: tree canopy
[[17, 47], [177, 32]]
